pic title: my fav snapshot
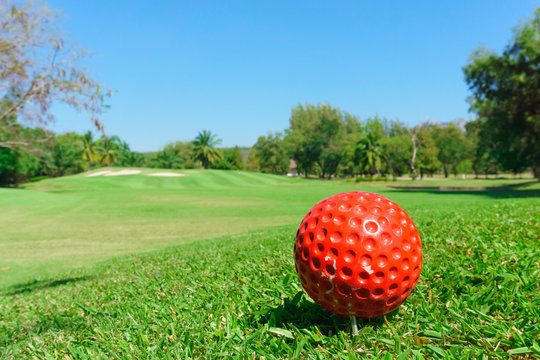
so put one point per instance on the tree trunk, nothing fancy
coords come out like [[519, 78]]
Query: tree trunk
[[536, 171], [391, 168], [413, 134]]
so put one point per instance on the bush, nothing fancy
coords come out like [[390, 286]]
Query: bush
[[222, 164]]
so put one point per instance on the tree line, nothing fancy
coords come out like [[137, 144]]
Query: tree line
[[327, 142], [38, 69], [52, 155], [321, 140]]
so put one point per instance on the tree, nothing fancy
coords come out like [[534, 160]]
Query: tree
[[415, 141], [126, 157], [67, 155], [253, 161], [353, 134], [17, 166], [183, 151], [37, 69], [204, 150], [166, 159], [235, 158], [17, 137], [301, 141], [333, 133], [231, 160], [483, 160], [271, 155], [506, 97], [175, 155], [131, 158], [315, 138], [109, 149], [427, 160], [9, 166], [370, 154], [397, 150], [90, 150], [452, 145]]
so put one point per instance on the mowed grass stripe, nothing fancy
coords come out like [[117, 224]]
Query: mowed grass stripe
[[239, 297]]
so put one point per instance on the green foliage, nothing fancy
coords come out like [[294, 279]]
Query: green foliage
[[9, 166], [126, 157], [397, 152], [177, 155], [90, 153], [505, 96], [221, 164], [166, 159], [253, 161], [235, 158], [452, 144], [369, 153], [463, 167], [67, 155], [204, 150], [131, 158], [64, 154], [271, 154], [483, 158], [232, 160], [427, 160], [18, 163], [327, 142], [314, 138], [108, 149]]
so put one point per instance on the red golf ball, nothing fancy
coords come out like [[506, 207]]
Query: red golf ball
[[358, 253]]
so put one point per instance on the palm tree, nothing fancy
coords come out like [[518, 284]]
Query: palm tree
[[90, 153], [108, 152], [370, 154], [204, 150]]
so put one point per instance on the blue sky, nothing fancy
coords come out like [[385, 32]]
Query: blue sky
[[238, 67]]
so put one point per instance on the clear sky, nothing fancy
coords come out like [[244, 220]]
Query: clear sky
[[238, 67]]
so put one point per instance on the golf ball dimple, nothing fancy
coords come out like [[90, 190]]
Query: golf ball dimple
[[358, 253]]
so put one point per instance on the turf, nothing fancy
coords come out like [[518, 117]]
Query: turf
[[74, 221], [238, 296]]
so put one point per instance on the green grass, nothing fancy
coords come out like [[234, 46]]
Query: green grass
[[457, 182], [238, 295], [469, 183], [75, 221]]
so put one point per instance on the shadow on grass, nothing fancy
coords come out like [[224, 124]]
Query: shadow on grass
[[41, 284], [305, 314], [496, 194]]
